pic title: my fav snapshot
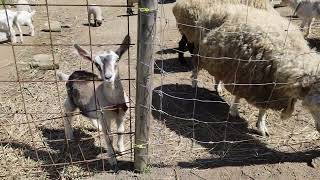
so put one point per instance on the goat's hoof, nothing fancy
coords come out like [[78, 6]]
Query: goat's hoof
[[234, 113], [129, 11], [194, 83], [263, 132], [113, 162]]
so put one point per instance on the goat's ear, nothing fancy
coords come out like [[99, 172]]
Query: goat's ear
[[124, 46], [82, 52]]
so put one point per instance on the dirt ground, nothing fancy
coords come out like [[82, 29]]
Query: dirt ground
[[216, 147]]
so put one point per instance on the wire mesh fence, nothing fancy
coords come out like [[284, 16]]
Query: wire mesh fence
[[32, 137], [190, 126]]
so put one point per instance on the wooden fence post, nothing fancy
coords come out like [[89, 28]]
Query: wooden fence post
[[145, 64]]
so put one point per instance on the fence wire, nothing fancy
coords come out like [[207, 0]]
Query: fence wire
[[194, 127], [32, 125], [191, 127]]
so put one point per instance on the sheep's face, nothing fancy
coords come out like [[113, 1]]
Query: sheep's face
[[107, 64], [312, 102]]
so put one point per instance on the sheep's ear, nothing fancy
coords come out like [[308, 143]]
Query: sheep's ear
[[124, 46], [82, 52]]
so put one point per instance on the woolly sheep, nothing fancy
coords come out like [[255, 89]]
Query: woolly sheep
[[107, 95], [97, 15], [22, 6], [187, 13], [306, 9], [8, 18], [259, 59]]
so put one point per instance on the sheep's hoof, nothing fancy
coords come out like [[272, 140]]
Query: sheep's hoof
[[113, 163]]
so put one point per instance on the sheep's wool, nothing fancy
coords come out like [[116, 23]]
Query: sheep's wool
[[263, 53]]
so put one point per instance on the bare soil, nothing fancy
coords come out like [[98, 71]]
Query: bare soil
[[215, 146]]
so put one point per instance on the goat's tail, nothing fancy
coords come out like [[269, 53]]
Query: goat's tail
[[62, 76]]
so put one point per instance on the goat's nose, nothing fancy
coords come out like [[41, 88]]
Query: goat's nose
[[107, 77]]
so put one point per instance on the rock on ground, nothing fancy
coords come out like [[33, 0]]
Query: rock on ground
[[44, 62], [55, 26]]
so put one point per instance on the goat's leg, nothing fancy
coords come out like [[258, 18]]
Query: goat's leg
[[69, 109], [218, 86], [120, 130], [182, 45], [20, 31], [261, 123], [234, 110], [13, 38], [31, 29], [105, 127]]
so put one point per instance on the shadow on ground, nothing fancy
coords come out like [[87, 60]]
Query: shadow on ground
[[171, 66], [314, 43], [231, 142], [57, 155]]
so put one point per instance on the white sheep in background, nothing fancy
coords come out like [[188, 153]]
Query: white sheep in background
[[308, 10], [107, 95], [25, 19], [187, 13], [96, 12], [24, 6], [8, 18], [259, 59]]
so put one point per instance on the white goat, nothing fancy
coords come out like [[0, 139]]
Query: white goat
[[102, 102], [8, 18], [25, 19], [306, 9], [23, 6], [97, 15]]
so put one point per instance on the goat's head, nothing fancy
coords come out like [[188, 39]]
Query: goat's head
[[107, 61]]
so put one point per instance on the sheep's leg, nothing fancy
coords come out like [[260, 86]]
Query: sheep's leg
[[234, 110], [69, 109], [310, 21], [182, 45], [194, 77], [303, 24], [261, 123], [120, 130], [195, 68]]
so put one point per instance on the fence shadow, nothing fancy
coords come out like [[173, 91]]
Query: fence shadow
[[57, 154], [235, 144], [171, 66]]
